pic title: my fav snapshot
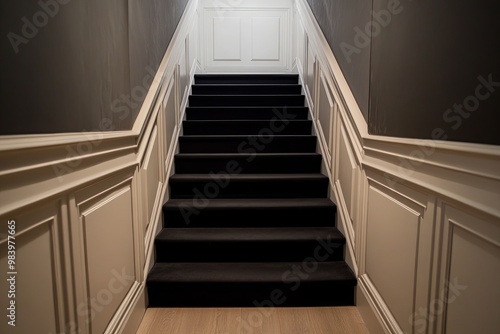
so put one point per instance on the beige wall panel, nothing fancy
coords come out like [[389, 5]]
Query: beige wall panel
[[472, 304], [109, 246], [151, 170], [310, 72], [325, 115], [193, 44], [301, 40], [346, 166], [35, 303], [391, 249], [170, 114], [265, 38], [183, 73]]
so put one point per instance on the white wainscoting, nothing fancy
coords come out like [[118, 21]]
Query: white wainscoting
[[246, 35], [421, 217], [87, 207]]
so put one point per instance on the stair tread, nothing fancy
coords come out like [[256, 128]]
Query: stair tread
[[243, 120], [247, 84], [243, 137], [246, 75], [258, 272], [244, 155], [277, 234], [256, 203], [211, 108], [206, 177], [245, 78], [249, 95]]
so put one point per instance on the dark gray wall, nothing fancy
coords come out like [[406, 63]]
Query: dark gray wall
[[428, 62], [79, 65], [341, 22], [419, 76]]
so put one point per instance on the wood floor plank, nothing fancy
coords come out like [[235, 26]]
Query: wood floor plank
[[307, 320], [227, 321], [294, 321], [259, 321]]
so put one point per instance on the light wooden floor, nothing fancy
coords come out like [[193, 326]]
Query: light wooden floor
[[322, 320]]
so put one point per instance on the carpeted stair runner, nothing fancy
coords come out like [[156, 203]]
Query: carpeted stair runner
[[248, 222]]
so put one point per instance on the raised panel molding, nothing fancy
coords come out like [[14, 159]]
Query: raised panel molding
[[170, 120], [392, 235], [466, 297], [266, 38], [226, 38], [311, 75], [346, 166], [396, 259], [325, 115], [151, 175], [105, 248], [38, 254]]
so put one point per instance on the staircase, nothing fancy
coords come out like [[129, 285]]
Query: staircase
[[248, 222]]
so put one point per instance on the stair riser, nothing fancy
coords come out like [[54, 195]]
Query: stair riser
[[197, 215], [246, 90], [245, 101], [235, 113], [252, 164], [249, 251], [276, 144], [249, 189], [293, 292], [246, 79], [263, 128]]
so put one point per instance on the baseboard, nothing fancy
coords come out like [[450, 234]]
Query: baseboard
[[372, 321], [135, 313]]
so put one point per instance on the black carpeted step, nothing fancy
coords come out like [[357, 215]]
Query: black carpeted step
[[224, 185], [254, 89], [266, 128], [292, 212], [248, 144], [246, 100], [248, 222], [290, 244], [243, 284], [262, 163], [246, 78], [246, 113]]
